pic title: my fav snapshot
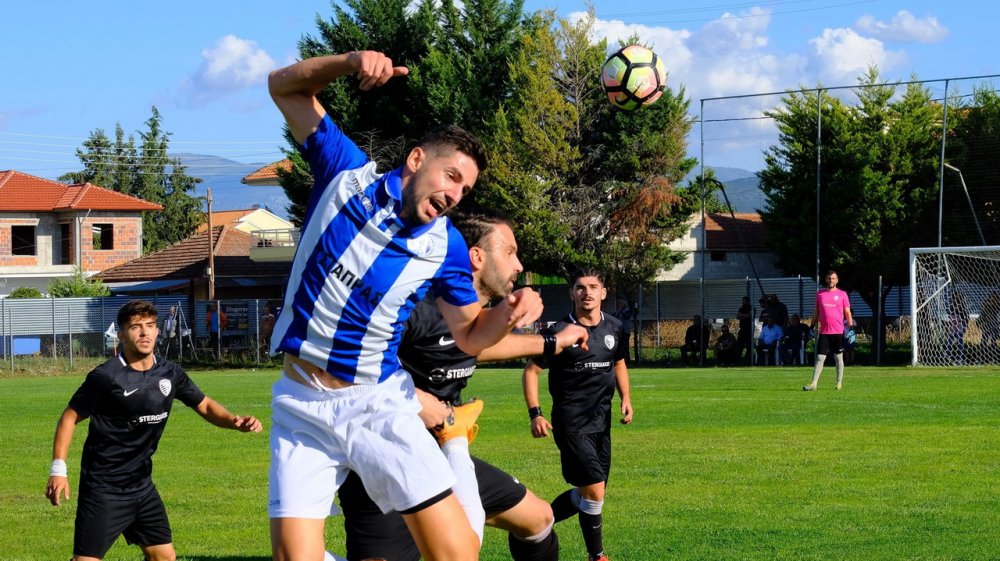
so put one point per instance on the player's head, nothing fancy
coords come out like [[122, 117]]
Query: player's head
[[831, 279], [137, 327], [439, 171], [492, 253], [587, 289], [725, 328]]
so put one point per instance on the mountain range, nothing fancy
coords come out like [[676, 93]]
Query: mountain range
[[742, 187], [223, 176]]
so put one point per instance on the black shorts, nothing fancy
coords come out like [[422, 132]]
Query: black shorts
[[830, 343], [585, 457], [373, 535], [101, 518]]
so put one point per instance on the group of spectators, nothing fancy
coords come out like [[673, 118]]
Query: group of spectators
[[782, 338]]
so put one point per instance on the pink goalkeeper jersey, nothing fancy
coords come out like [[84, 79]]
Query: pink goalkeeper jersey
[[831, 303]]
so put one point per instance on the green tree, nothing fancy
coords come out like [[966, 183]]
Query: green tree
[[974, 148], [879, 184], [25, 292], [632, 162], [145, 171], [583, 182], [458, 74], [79, 285]]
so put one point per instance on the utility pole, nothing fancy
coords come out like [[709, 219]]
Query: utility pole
[[211, 249]]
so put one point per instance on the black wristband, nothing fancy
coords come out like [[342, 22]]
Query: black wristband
[[549, 347], [534, 412]]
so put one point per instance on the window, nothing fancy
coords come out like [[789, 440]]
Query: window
[[104, 236], [65, 244], [22, 240], [718, 256]]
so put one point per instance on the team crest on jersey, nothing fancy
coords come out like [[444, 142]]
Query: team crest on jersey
[[609, 342], [165, 387], [422, 246]]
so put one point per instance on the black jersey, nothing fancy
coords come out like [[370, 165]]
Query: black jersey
[[429, 353], [582, 383], [128, 411]]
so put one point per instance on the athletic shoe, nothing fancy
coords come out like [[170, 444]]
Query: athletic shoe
[[601, 557], [808, 388], [838, 386], [461, 422]]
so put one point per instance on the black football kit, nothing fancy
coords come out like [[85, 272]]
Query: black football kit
[[582, 384], [128, 411], [440, 368]]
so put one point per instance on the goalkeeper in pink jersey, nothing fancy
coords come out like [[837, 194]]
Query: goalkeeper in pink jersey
[[832, 312]]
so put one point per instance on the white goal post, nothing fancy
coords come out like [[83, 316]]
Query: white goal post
[[955, 305]]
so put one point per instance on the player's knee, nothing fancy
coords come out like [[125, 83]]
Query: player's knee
[[588, 506]]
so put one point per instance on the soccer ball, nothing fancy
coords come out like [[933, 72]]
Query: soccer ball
[[633, 77]]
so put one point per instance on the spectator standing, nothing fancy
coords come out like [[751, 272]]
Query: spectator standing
[[744, 337]]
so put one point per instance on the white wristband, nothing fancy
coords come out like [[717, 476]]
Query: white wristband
[[58, 468]]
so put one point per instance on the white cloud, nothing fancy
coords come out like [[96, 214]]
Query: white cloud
[[904, 27], [842, 55], [230, 65]]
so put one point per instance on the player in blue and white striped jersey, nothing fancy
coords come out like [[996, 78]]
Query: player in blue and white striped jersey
[[372, 246]]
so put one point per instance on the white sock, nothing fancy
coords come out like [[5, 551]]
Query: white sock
[[327, 556], [818, 369], [839, 358], [466, 489]]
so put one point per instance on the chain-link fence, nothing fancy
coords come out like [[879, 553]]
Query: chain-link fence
[[60, 334], [803, 132], [809, 157], [664, 311]]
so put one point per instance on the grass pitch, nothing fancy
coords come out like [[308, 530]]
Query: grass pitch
[[720, 464]]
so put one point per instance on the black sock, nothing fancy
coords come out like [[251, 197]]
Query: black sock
[[590, 525], [545, 550], [563, 507]]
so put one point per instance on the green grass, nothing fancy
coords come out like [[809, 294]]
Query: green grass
[[720, 464]]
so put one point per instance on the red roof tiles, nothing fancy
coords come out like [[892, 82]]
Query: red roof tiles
[[268, 174], [22, 192], [189, 258]]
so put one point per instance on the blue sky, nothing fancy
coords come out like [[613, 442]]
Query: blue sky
[[72, 67]]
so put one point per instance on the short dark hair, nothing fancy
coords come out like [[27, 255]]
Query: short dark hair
[[142, 308], [453, 136], [585, 272], [474, 227]]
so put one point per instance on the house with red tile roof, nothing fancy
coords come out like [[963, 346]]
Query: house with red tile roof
[[728, 243], [48, 228], [182, 269], [267, 175], [249, 220]]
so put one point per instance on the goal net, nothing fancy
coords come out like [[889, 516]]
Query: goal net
[[955, 301]]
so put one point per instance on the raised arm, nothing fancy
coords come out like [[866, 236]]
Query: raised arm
[[213, 412], [476, 328], [294, 88], [57, 487], [517, 345]]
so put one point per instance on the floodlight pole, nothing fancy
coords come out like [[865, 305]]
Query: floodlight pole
[[944, 142], [972, 209]]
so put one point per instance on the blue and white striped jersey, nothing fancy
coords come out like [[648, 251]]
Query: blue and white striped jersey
[[359, 268]]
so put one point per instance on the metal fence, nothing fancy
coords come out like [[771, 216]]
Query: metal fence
[[61, 331], [42, 332], [737, 132]]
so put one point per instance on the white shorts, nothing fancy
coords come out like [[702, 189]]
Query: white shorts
[[371, 429]]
